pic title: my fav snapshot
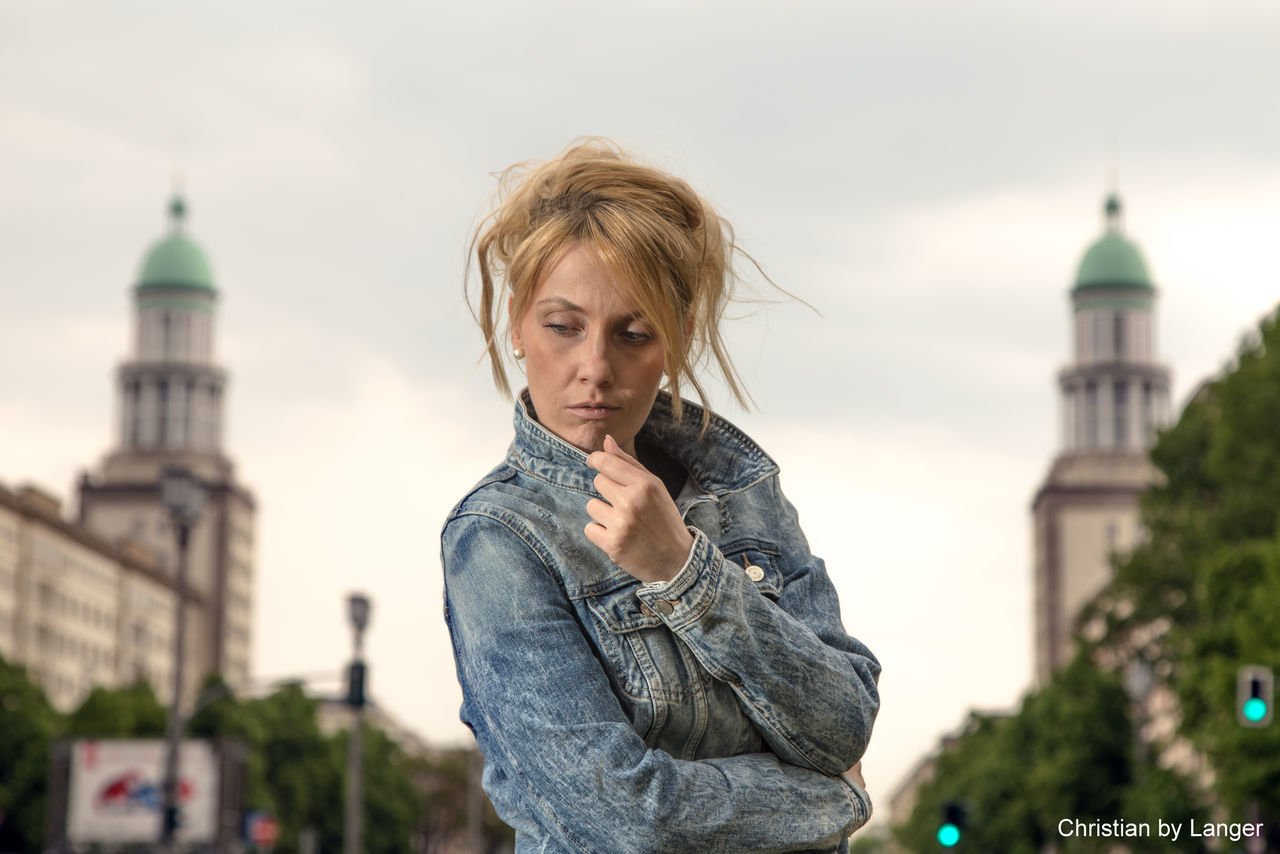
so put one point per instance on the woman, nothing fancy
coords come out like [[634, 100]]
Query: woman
[[650, 657]]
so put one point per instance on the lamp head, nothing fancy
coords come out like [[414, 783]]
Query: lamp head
[[358, 607], [181, 495]]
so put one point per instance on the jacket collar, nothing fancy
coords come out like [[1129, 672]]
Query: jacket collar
[[721, 460]]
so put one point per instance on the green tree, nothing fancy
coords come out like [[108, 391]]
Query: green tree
[[219, 715], [129, 712], [28, 725], [1199, 597], [868, 843], [301, 768], [393, 807], [444, 778], [1066, 754]]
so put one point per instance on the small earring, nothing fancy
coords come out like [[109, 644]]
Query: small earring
[[518, 352]]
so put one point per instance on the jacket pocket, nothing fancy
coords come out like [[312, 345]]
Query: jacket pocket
[[648, 661], [759, 560]]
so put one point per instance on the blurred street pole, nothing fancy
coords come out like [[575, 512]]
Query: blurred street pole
[[184, 499], [475, 803], [358, 608]]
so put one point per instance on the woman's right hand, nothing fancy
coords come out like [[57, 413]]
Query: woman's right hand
[[637, 524]]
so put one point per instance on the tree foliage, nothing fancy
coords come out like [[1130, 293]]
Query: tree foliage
[[129, 712], [1201, 596], [1066, 754], [293, 769], [1193, 602], [445, 778], [28, 724]]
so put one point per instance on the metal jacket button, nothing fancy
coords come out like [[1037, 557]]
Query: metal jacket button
[[646, 610], [754, 572], [664, 606]]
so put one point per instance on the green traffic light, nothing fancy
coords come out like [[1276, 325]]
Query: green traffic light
[[948, 835], [1255, 709]]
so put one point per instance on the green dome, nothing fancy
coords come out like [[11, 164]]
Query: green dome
[[176, 261], [1113, 261]]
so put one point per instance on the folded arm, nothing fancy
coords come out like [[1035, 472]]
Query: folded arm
[[563, 749], [809, 687]]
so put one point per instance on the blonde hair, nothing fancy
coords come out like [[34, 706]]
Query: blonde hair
[[662, 241]]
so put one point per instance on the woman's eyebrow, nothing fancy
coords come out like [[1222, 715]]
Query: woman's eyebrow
[[566, 305], [561, 302]]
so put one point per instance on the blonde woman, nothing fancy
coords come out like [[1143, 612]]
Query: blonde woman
[[651, 659]]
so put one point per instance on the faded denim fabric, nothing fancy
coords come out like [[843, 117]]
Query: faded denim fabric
[[712, 713]]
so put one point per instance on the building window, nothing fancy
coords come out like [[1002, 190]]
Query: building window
[[1148, 422], [1090, 415], [162, 410], [189, 415], [135, 414], [1118, 335], [1122, 413]]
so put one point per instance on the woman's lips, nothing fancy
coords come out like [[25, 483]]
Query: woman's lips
[[593, 412]]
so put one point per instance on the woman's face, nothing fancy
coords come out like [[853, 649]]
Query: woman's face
[[593, 366]]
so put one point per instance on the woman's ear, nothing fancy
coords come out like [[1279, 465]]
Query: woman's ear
[[511, 322]]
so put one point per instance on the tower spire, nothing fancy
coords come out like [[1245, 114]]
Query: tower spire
[[1113, 213], [177, 210], [177, 203]]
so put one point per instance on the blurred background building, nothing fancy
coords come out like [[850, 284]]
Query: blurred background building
[[89, 600]]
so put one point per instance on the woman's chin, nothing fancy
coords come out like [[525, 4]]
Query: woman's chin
[[589, 438]]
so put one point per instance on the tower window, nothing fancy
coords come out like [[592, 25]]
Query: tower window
[[133, 408], [1090, 415], [162, 408], [1122, 413], [1148, 423], [1117, 327]]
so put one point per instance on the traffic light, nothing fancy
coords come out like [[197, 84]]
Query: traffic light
[[1255, 690], [355, 684], [953, 819], [172, 820]]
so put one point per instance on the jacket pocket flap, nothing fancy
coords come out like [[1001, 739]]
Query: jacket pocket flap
[[620, 612], [759, 560]]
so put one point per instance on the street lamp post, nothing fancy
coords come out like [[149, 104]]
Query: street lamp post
[[183, 497], [358, 607]]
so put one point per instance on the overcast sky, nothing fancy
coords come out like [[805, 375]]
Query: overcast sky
[[925, 174]]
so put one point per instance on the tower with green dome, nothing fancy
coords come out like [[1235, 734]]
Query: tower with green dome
[[1115, 395], [171, 395], [171, 391]]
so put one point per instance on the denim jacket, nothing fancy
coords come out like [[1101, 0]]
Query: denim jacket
[[711, 713]]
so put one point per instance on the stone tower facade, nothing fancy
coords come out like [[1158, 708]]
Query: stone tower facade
[[171, 396], [1115, 394]]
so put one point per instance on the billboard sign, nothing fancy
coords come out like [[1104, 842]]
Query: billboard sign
[[116, 791]]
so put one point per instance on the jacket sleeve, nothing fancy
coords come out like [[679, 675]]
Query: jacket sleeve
[[809, 688], [560, 752]]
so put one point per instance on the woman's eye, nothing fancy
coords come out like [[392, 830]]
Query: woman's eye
[[636, 335], [558, 328]]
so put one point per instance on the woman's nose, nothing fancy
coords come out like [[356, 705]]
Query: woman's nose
[[596, 366]]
